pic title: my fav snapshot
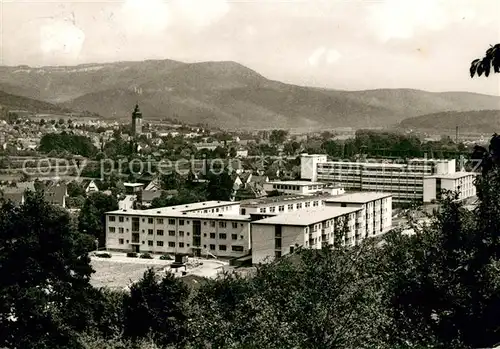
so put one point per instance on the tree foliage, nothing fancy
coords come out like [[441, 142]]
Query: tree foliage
[[315, 299], [66, 142], [92, 219], [155, 308], [44, 271], [483, 65], [220, 185]]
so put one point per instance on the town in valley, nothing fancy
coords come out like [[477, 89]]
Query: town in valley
[[188, 174]]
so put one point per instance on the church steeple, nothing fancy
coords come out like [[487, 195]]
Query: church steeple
[[137, 112], [136, 121]]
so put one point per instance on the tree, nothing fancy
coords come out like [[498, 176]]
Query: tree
[[156, 308], [75, 202], [310, 299], [445, 280], [172, 180], [74, 144], [183, 197], [484, 65], [44, 271], [92, 220], [219, 153], [75, 189], [220, 186], [278, 136], [232, 152]]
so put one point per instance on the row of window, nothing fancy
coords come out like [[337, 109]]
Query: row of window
[[295, 187], [171, 221], [213, 210], [161, 232], [290, 207], [182, 245]]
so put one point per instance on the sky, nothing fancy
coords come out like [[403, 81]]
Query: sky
[[339, 44]]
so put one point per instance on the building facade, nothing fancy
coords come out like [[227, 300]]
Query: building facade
[[265, 228], [405, 181], [376, 210], [200, 229], [277, 236], [460, 182], [365, 214], [272, 206]]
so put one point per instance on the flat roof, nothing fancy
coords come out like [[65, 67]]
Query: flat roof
[[388, 163], [307, 217], [284, 199], [312, 155], [359, 197], [133, 184], [179, 214], [183, 208], [455, 175], [299, 183]]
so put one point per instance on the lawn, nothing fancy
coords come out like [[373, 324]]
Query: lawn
[[118, 275]]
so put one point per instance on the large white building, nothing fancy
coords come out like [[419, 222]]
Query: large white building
[[405, 181], [367, 215], [238, 229], [213, 227]]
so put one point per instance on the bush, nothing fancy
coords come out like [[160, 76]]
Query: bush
[[166, 257], [146, 256], [132, 254], [103, 255]]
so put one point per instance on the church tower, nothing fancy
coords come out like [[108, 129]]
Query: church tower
[[136, 121]]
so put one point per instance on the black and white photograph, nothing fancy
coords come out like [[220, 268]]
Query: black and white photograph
[[249, 174]]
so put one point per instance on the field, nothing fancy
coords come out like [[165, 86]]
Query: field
[[119, 271], [117, 275]]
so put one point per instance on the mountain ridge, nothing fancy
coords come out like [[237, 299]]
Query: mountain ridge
[[477, 121], [226, 94]]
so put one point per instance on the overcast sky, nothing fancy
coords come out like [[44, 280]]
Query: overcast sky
[[349, 44]]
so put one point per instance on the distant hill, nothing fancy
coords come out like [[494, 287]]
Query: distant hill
[[225, 94], [482, 121], [12, 102]]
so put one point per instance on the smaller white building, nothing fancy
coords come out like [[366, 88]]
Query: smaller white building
[[460, 182], [376, 210], [242, 153], [368, 214], [302, 187], [274, 205], [277, 236]]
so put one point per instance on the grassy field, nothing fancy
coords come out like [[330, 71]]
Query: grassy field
[[120, 271], [118, 275]]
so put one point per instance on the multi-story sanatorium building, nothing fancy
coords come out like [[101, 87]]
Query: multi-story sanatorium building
[[405, 181], [225, 229], [214, 227], [367, 215]]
